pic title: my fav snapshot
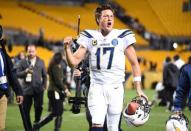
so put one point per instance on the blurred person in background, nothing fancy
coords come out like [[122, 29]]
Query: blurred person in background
[[178, 61], [8, 79], [170, 81], [40, 41], [57, 91], [64, 67], [16, 60], [160, 96], [33, 73]]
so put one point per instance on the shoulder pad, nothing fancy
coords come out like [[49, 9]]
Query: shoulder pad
[[125, 33], [86, 33]]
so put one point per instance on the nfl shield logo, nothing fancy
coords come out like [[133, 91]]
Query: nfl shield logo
[[114, 42]]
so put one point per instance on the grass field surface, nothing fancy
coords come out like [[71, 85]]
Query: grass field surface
[[77, 122]]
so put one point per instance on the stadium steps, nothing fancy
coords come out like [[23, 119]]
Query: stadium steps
[[177, 22], [163, 17], [71, 14], [17, 17], [57, 21], [143, 11]]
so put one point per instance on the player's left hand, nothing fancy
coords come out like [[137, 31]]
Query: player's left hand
[[141, 93], [19, 99]]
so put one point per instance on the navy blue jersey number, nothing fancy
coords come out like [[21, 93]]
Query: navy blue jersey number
[[105, 50]]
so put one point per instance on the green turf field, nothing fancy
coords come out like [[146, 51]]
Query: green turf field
[[73, 122]]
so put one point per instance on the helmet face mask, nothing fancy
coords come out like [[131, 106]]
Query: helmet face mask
[[141, 114], [177, 122]]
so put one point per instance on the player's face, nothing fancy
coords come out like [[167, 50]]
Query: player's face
[[31, 51], [106, 20]]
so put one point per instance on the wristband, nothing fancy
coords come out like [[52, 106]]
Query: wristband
[[137, 79]]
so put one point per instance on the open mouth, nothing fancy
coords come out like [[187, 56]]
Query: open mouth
[[109, 23]]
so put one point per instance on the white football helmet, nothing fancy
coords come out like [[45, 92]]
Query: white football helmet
[[177, 122], [141, 115]]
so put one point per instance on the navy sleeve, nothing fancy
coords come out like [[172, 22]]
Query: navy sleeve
[[182, 90]]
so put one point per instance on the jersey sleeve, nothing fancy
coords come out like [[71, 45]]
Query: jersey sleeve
[[128, 38], [84, 39], [182, 90]]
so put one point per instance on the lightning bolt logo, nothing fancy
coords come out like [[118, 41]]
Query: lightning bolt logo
[[176, 128]]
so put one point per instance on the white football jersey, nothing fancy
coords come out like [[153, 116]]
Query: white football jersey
[[107, 57]]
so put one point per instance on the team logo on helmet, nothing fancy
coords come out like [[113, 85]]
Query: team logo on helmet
[[177, 122], [114, 42]]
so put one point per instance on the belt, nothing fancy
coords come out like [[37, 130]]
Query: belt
[[3, 79]]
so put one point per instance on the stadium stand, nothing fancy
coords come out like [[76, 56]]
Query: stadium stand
[[57, 21], [44, 53], [157, 57], [171, 16], [164, 17], [15, 16]]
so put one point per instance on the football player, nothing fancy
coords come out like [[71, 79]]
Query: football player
[[107, 48]]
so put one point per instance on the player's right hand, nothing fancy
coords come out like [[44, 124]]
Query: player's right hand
[[67, 42], [29, 70]]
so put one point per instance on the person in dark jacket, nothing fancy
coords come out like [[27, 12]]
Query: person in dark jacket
[[183, 90], [32, 72], [7, 77], [57, 91], [170, 80]]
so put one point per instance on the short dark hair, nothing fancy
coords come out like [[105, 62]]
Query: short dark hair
[[100, 9], [56, 59], [176, 57], [31, 44], [168, 59]]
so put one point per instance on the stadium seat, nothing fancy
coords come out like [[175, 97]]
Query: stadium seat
[[57, 21], [163, 17]]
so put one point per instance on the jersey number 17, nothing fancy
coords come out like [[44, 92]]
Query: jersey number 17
[[104, 51]]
